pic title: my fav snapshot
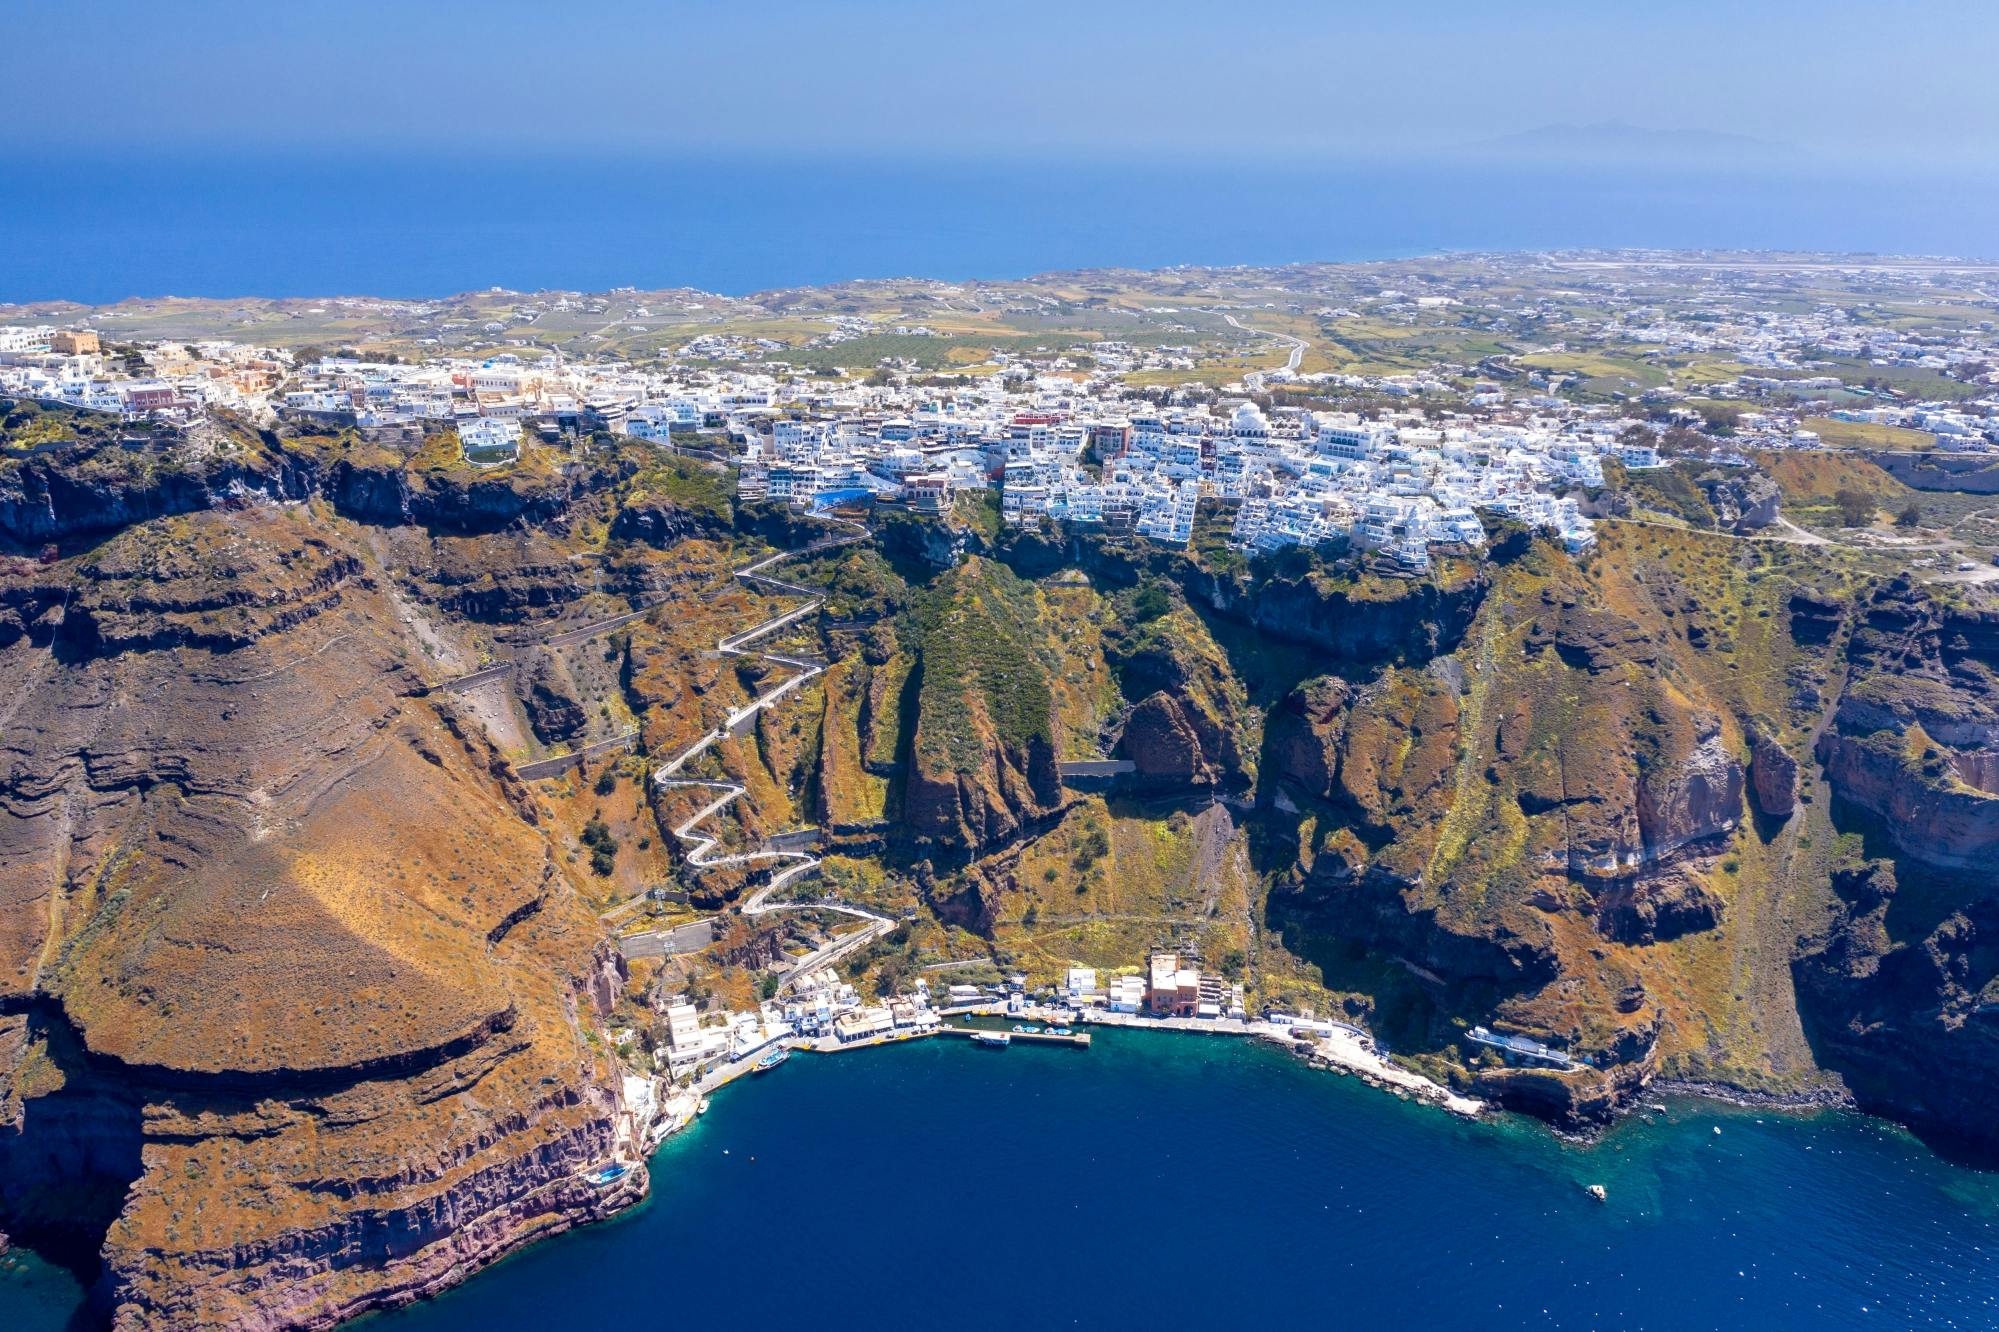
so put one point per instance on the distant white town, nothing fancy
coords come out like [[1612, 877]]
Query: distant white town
[[1407, 475]]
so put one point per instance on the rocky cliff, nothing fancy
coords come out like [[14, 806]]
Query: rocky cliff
[[300, 1010], [1901, 985], [982, 750]]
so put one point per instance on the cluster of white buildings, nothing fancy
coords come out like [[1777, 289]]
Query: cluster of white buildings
[[1399, 487], [819, 1005], [1169, 986], [177, 381]]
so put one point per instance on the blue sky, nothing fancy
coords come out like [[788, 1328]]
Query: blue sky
[[1909, 81]]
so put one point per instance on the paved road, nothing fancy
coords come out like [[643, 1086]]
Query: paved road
[[1095, 767], [587, 631], [561, 763], [690, 938], [479, 677], [563, 639], [1298, 345]]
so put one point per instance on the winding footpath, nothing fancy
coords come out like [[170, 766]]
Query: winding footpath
[[704, 848]]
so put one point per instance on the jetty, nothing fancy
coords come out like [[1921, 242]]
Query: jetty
[[1078, 1039]]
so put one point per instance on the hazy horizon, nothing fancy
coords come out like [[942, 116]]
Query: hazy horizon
[[222, 148], [1158, 81]]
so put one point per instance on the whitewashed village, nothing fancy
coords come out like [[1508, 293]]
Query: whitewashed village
[[1410, 472]]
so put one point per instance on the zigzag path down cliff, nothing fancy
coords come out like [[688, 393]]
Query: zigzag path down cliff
[[702, 847]]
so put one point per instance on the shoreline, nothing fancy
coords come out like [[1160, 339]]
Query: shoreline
[[1346, 1052], [1330, 1046], [1804, 1102]]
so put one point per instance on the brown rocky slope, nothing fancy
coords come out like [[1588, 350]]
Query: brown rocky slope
[[300, 1011]]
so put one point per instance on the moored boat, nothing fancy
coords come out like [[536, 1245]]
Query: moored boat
[[771, 1060], [992, 1038]]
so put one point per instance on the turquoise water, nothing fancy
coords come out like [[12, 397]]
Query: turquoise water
[[1213, 1183]]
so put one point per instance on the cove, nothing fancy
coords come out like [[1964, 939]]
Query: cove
[[1160, 1176]]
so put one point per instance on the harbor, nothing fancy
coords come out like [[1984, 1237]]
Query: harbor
[[1439, 1217], [1079, 1040], [1006, 1022]]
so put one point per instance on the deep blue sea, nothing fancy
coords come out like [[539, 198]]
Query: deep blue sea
[[1163, 1180], [97, 227]]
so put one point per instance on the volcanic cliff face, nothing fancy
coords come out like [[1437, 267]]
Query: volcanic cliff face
[[1545, 827], [1560, 796], [1190, 726], [1901, 986], [1910, 1015], [982, 753], [1918, 725], [298, 1007]]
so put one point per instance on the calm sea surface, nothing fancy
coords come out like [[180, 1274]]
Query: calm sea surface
[[1169, 1180], [100, 228]]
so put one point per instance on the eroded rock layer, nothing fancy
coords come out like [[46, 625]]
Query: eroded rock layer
[[300, 1009]]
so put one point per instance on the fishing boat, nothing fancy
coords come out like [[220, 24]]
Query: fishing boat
[[771, 1060], [1025, 1029], [992, 1038], [1060, 1031]]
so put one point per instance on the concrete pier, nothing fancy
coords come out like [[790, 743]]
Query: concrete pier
[[1079, 1039]]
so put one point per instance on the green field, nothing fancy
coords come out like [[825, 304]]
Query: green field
[[1868, 435]]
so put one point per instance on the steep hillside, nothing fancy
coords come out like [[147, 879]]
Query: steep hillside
[[982, 749], [1574, 798], [304, 990], [301, 1007]]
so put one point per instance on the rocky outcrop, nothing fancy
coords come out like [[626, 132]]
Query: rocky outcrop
[[1356, 621], [974, 808], [1652, 908], [1742, 500], [1968, 473], [659, 524], [1163, 740], [1306, 735], [1697, 798], [1773, 776], [549, 696], [1912, 1024], [186, 585], [97, 484], [1913, 727], [982, 754], [92, 489], [1814, 617], [1576, 1100], [1189, 726], [1913, 789]]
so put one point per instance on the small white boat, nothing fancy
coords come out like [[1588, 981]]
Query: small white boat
[[1597, 1191], [992, 1038]]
